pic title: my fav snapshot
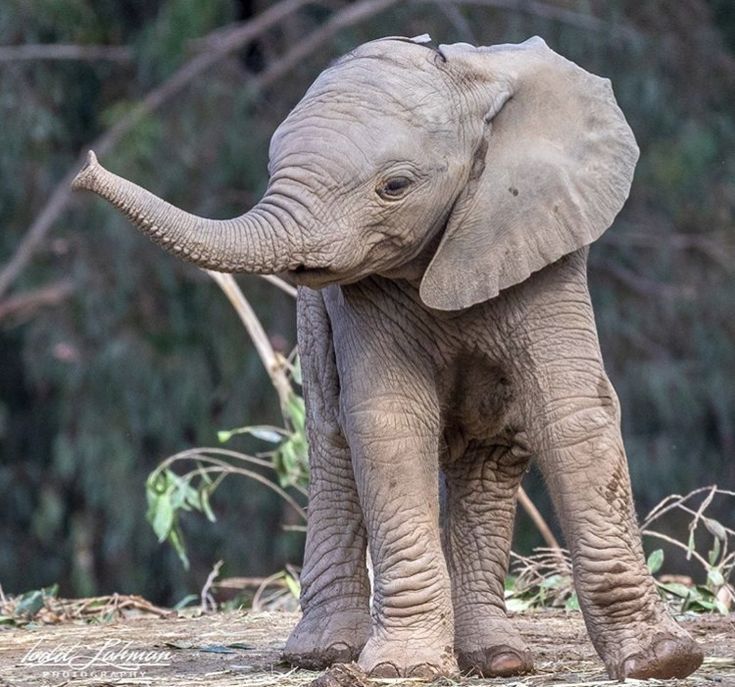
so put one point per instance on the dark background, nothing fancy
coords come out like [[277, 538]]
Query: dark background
[[114, 355]]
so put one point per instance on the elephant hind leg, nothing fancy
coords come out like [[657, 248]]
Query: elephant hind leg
[[481, 493]]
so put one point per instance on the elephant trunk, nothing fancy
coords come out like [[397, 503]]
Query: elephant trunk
[[256, 242]]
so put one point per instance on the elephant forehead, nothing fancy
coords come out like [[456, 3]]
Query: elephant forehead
[[381, 107], [390, 81]]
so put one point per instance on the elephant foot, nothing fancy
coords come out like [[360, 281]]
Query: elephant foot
[[385, 658], [667, 656], [644, 651], [489, 646], [321, 639]]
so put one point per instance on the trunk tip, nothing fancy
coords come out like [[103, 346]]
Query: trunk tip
[[86, 176]]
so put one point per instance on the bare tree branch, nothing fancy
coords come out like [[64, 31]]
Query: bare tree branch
[[349, 16], [639, 284], [457, 20], [560, 14], [61, 51], [25, 304]]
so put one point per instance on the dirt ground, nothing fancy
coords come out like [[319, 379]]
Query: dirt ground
[[242, 649]]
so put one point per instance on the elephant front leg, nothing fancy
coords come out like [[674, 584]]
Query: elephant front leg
[[335, 589], [582, 457], [481, 495], [395, 457]]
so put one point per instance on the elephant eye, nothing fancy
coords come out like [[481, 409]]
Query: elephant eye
[[394, 188]]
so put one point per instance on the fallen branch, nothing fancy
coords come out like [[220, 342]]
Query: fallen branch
[[61, 51]]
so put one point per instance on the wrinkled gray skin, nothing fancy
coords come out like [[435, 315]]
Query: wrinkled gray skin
[[435, 208]]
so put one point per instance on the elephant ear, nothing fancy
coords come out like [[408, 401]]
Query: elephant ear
[[553, 166]]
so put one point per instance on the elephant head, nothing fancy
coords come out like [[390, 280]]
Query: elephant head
[[478, 165]]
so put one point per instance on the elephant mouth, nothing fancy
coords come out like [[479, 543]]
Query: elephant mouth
[[312, 276]]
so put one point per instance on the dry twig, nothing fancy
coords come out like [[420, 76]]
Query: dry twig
[[207, 600], [538, 520]]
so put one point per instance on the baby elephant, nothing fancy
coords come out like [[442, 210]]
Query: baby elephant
[[435, 207]]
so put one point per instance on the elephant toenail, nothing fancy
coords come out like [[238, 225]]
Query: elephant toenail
[[339, 652], [423, 671], [633, 666], [386, 670], [506, 663], [666, 648]]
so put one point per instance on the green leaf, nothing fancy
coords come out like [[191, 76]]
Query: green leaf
[[676, 588], [655, 561], [51, 592], [572, 603], [690, 543], [714, 554], [715, 529], [715, 578], [161, 516], [293, 586], [30, 603], [295, 411], [273, 435], [188, 600], [177, 541], [216, 649], [204, 493], [296, 371], [697, 604]]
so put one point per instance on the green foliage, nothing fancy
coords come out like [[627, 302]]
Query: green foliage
[[655, 561], [554, 591], [697, 598], [717, 593], [22, 609], [169, 494]]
